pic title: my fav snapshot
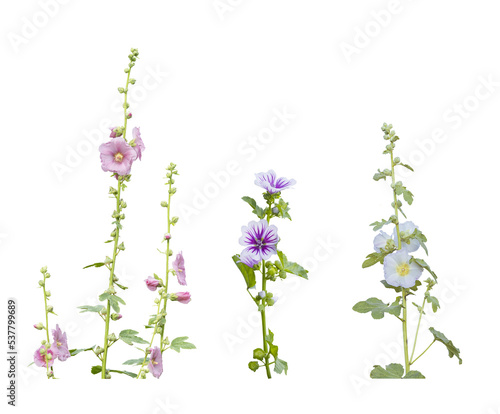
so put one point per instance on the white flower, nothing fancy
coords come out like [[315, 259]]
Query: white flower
[[406, 229], [262, 294], [380, 241], [398, 271]]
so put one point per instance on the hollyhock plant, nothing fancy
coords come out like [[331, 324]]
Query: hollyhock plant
[[182, 297], [155, 365], [401, 271], [179, 269], [151, 359], [48, 353], [60, 344], [117, 157], [152, 283], [269, 182], [260, 241]]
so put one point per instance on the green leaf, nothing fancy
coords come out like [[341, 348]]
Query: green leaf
[[121, 286], [423, 263], [256, 209], [390, 371], [379, 176], [406, 166], [87, 308], [98, 264], [129, 337], [96, 369], [433, 301], [280, 366], [74, 352], [274, 351], [291, 267], [372, 259], [259, 354], [408, 196], [378, 308], [104, 296], [270, 337], [413, 375], [379, 224], [253, 365], [247, 272], [180, 343], [137, 361], [130, 374], [452, 350]]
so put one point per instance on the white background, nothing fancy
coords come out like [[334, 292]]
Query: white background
[[219, 76]]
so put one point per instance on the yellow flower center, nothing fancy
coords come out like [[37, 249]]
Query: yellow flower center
[[403, 269], [58, 343], [154, 362], [118, 157]]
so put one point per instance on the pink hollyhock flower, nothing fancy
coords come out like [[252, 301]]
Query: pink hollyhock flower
[[41, 360], [117, 156], [152, 283], [155, 365], [60, 345], [139, 144], [182, 297], [179, 268]]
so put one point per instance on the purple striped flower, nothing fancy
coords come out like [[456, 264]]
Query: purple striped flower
[[269, 182], [248, 259], [260, 240]]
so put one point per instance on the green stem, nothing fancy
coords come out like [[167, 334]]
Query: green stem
[[150, 344], [416, 333], [111, 280], [412, 362], [404, 291], [46, 322], [167, 253], [125, 105], [263, 317]]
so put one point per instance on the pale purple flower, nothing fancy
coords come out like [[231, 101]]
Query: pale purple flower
[[139, 144], [117, 156], [152, 283], [399, 271], [406, 229], [269, 182], [182, 297], [179, 268], [380, 241], [60, 345], [260, 239], [248, 259], [155, 365], [41, 360]]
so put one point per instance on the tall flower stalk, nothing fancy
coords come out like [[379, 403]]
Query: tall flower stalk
[[48, 353], [401, 270], [260, 239], [152, 360], [117, 157]]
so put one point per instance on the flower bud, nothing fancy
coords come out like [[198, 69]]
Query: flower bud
[[275, 210], [397, 160], [50, 374], [121, 90], [146, 371], [175, 220], [42, 351], [48, 357], [262, 294], [169, 174], [167, 236], [98, 350], [158, 330], [132, 81], [41, 283], [112, 337], [123, 204], [47, 293], [38, 326], [129, 115], [166, 341], [121, 246], [116, 316], [43, 269], [50, 309], [164, 204], [108, 376]]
